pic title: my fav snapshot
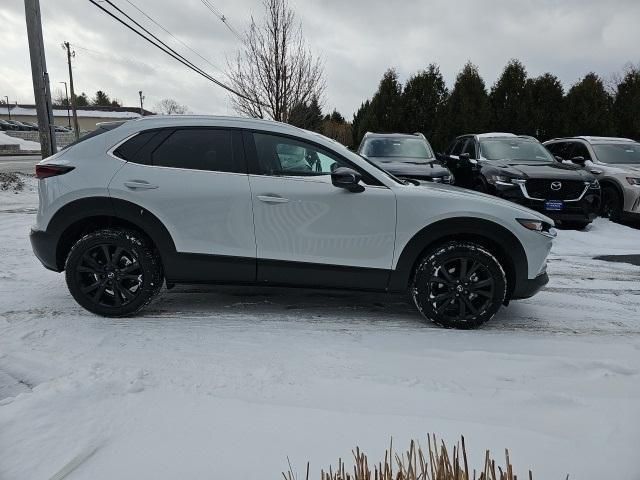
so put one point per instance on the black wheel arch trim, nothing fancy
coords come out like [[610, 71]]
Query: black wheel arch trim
[[83, 210], [511, 250]]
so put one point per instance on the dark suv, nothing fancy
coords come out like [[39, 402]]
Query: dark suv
[[405, 156], [521, 169]]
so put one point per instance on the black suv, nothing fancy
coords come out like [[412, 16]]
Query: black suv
[[404, 155], [521, 169]]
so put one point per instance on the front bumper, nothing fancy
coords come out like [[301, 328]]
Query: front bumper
[[44, 247], [526, 288], [584, 210]]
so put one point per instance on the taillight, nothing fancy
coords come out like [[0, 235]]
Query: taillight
[[46, 171]]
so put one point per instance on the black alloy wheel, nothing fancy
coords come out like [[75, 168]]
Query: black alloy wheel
[[113, 273], [459, 285], [611, 204]]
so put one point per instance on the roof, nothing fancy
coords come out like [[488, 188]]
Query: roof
[[592, 139], [495, 135], [392, 135], [83, 112]]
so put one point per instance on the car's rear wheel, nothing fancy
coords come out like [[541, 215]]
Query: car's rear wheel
[[459, 285], [611, 204], [113, 273]]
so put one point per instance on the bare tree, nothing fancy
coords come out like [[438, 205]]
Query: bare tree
[[275, 69], [168, 106]]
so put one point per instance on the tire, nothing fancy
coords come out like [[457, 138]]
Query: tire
[[467, 292], [611, 204], [113, 273]]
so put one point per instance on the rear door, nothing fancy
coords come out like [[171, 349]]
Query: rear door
[[194, 180]]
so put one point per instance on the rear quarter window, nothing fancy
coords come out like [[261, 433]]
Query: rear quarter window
[[129, 149]]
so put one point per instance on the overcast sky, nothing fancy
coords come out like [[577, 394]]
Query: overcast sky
[[358, 40]]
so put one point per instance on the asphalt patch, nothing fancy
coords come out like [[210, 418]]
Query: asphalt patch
[[632, 259]]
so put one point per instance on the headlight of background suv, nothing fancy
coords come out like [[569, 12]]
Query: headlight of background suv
[[633, 181], [499, 180], [446, 179]]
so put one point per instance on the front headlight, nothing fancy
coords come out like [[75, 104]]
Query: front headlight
[[445, 179], [539, 226], [499, 180], [595, 184], [633, 181]]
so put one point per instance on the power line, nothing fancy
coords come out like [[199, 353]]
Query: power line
[[168, 50], [172, 35], [222, 18]]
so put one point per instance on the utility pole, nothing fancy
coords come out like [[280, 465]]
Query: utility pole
[[66, 94], [141, 100], [70, 54], [8, 109], [40, 77]]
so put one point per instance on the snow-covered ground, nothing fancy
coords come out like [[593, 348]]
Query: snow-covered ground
[[214, 383], [23, 144]]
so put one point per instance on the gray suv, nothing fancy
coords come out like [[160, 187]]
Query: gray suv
[[616, 164]]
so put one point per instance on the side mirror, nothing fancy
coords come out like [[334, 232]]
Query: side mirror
[[578, 160], [464, 157], [347, 178]]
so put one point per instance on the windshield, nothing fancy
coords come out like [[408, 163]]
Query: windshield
[[627, 153], [397, 147], [514, 149]]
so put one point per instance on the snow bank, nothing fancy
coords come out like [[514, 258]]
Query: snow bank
[[226, 382], [24, 144]]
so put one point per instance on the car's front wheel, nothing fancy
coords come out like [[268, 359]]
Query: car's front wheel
[[113, 273], [459, 285]]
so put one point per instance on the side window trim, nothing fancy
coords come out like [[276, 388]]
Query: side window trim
[[254, 165]]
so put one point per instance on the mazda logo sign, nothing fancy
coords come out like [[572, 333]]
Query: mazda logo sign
[[556, 185]]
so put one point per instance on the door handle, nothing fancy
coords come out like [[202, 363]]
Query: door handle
[[139, 185], [272, 199]]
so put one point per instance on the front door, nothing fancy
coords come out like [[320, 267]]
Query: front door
[[309, 232]]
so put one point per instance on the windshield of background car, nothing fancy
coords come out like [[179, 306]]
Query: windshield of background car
[[397, 147], [626, 153], [514, 149]]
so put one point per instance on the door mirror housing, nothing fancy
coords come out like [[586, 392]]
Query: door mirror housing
[[578, 160], [347, 178], [464, 157]]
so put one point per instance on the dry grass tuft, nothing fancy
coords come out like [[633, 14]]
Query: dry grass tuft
[[414, 464]]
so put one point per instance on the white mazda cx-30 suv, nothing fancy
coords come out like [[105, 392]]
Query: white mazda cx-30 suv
[[201, 199]]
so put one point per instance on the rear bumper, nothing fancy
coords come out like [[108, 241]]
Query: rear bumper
[[44, 247], [529, 287]]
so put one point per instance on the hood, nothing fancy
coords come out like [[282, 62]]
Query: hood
[[622, 167], [405, 167], [474, 196], [551, 170]]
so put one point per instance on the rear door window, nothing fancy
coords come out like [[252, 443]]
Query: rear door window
[[199, 149]]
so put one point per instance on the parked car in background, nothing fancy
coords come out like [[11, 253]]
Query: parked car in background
[[4, 125], [32, 125], [520, 169], [404, 155], [228, 200], [615, 162], [19, 125]]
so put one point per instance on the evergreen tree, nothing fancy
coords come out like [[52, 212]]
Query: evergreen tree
[[588, 108], [384, 114], [336, 117], [467, 108], [424, 98], [544, 100], [507, 99], [356, 124], [101, 99], [626, 107], [306, 115], [82, 100]]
